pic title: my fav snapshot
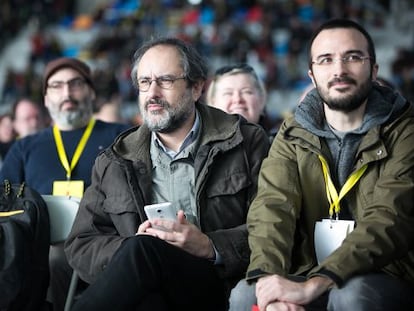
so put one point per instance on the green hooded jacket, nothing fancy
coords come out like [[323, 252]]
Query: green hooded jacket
[[292, 197]]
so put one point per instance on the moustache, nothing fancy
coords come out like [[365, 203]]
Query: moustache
[[155, 101], [342, 79], [70, 101]]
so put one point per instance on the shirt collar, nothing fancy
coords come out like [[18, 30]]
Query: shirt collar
[[191, 136]]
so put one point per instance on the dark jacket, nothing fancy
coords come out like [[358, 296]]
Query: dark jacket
[[226, 167], [292, 197]]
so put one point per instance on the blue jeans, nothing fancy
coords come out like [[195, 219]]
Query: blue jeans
[[371, 292]]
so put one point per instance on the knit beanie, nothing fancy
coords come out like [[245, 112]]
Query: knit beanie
[[65, 62]]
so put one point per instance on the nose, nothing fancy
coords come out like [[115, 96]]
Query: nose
[[153, 90], [339, 66], [237, 96], [66, 90], [153, 87]]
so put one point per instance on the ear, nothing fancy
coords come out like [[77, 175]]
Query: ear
[[93, 95], [197, 90], [374, 72], [310, 74]]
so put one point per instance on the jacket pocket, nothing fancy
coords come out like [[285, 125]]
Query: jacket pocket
[[118, 205], [228, 185]]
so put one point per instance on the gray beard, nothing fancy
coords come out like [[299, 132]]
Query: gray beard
[[73, 119]]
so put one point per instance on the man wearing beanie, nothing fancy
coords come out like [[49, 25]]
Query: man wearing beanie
[[60, 158]]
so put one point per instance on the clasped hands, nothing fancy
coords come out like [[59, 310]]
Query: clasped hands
[[180, 233], [277, 293]]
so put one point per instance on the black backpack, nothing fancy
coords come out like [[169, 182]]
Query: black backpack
[[24, 248]]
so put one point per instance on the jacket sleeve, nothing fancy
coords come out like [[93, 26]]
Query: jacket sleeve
[[271, 220], [231, 243], [101, 225]]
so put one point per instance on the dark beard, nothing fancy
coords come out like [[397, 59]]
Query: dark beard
[[353, 101]]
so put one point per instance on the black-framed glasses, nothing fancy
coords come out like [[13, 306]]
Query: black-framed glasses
[[74, 85], [164, 82], [346, 60], [242, 67]]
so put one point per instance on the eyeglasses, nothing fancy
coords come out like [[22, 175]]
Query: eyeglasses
[[347, 60], [164, 82], [76, 84], [243, 68]]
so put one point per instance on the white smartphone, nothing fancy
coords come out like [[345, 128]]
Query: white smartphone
[[160, 210]]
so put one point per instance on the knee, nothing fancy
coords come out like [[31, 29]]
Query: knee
[[242, 297], [134, 247], [354, 295], [138, 242]]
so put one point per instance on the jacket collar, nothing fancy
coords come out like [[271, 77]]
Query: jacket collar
[[216, 127]]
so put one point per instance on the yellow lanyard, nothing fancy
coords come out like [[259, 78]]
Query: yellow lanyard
[[331, 192], [79, 149]]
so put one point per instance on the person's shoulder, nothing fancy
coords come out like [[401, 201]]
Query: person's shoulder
[[111, 126], [33, 139]]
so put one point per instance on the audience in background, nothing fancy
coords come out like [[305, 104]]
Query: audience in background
[[107, 105], [7, 135], [28, 117], [269, 35]]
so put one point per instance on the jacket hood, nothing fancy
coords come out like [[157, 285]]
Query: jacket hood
[[383, 106]]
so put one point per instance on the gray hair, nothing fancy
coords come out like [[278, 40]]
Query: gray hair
[[193, 64]]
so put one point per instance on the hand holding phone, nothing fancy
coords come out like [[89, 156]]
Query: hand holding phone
[[162, 211]]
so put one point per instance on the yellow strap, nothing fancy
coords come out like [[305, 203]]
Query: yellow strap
[[11, 213], [331, 193], [79, 149]]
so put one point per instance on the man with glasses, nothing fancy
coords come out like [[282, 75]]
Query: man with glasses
[[332, 223], [59, 159], [202, 160]]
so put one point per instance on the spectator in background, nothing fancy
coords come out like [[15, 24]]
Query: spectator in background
[[7, 135], [28, 117], [59, 159], [236, 89], [107, 105]]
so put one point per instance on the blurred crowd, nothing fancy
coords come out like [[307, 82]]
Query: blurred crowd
[[269, 35]]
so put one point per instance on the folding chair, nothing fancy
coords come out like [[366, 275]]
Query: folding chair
[[62, 211]]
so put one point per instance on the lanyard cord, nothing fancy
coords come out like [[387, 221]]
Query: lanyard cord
[[79, 149], [331, 193]]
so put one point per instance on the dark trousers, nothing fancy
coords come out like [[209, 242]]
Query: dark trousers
[[60, 274], [147, 273]]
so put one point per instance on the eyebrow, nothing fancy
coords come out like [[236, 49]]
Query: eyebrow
[[345, 53]]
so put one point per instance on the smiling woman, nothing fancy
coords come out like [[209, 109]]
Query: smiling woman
[[236, 89]]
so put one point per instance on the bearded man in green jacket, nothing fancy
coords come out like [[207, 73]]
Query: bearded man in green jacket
[[332, 225]]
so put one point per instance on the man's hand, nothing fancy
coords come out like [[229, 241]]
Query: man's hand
[[274, 289], [180, 233], [284, 306]]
